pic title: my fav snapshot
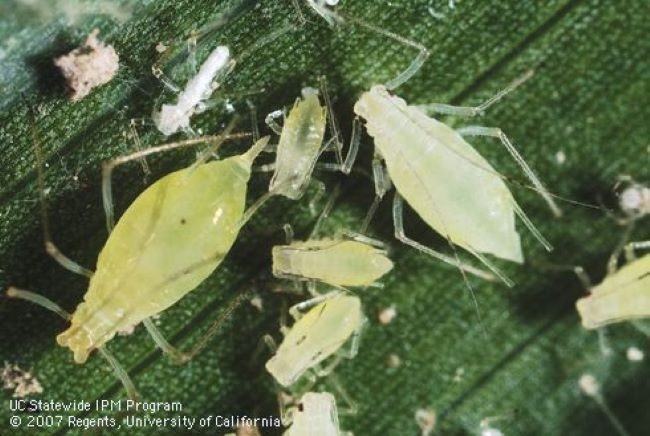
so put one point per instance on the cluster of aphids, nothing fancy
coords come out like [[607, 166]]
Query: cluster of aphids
[[185, 224]]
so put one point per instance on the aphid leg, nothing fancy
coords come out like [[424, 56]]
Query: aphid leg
[[331, 17], [301, 17], [382, 186], [401, 236], [253, 114], [50, 247], [138, 144], [591, 388], [296, 310], [320, 192], [472, 111], [531, 227], [48, 304], [496, 132], [120, 373], [288, 233], [181, 357], [415, 65], [362, 238], [273, 125], [110, 165], [270, 343], [342, 353], [326, 210], [351, 407], [622, 247], [158, 73], [344, 165]]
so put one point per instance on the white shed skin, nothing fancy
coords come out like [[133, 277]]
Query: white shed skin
[[174, 117], [442, 177]]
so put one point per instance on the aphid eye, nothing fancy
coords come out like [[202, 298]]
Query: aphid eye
[[301, 407]]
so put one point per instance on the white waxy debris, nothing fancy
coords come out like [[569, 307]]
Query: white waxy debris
[[393, 360], [23, 383], [634, 354], [257, 303], [89, 66], [589, 385], [387, 315], [426, 419], [560, 157], [161, 47], [490, 431], [458, 376]]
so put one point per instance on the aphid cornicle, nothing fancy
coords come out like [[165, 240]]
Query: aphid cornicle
[[319, 333]]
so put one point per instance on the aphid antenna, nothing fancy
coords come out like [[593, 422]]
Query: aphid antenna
[[48, 304], [50, 246], [172, 56]]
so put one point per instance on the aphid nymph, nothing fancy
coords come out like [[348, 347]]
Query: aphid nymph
[[331, 320]]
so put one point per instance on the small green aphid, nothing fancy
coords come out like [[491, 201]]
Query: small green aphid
[[623, 295], [337, 262], [315, 414], [301, 144], [170, 239], [348, 260], [331, 321]]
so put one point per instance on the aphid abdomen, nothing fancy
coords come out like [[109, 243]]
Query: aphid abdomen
[[166, 243], [622, 296], [342, 263], [316, 336], [452, 187], [315, 416], [300, 145]]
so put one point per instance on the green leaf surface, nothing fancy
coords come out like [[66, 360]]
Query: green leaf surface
[[587, 101]]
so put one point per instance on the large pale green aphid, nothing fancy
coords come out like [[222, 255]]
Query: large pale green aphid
[[319, 333], [623, 295], [444, 179], [168, 241]]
